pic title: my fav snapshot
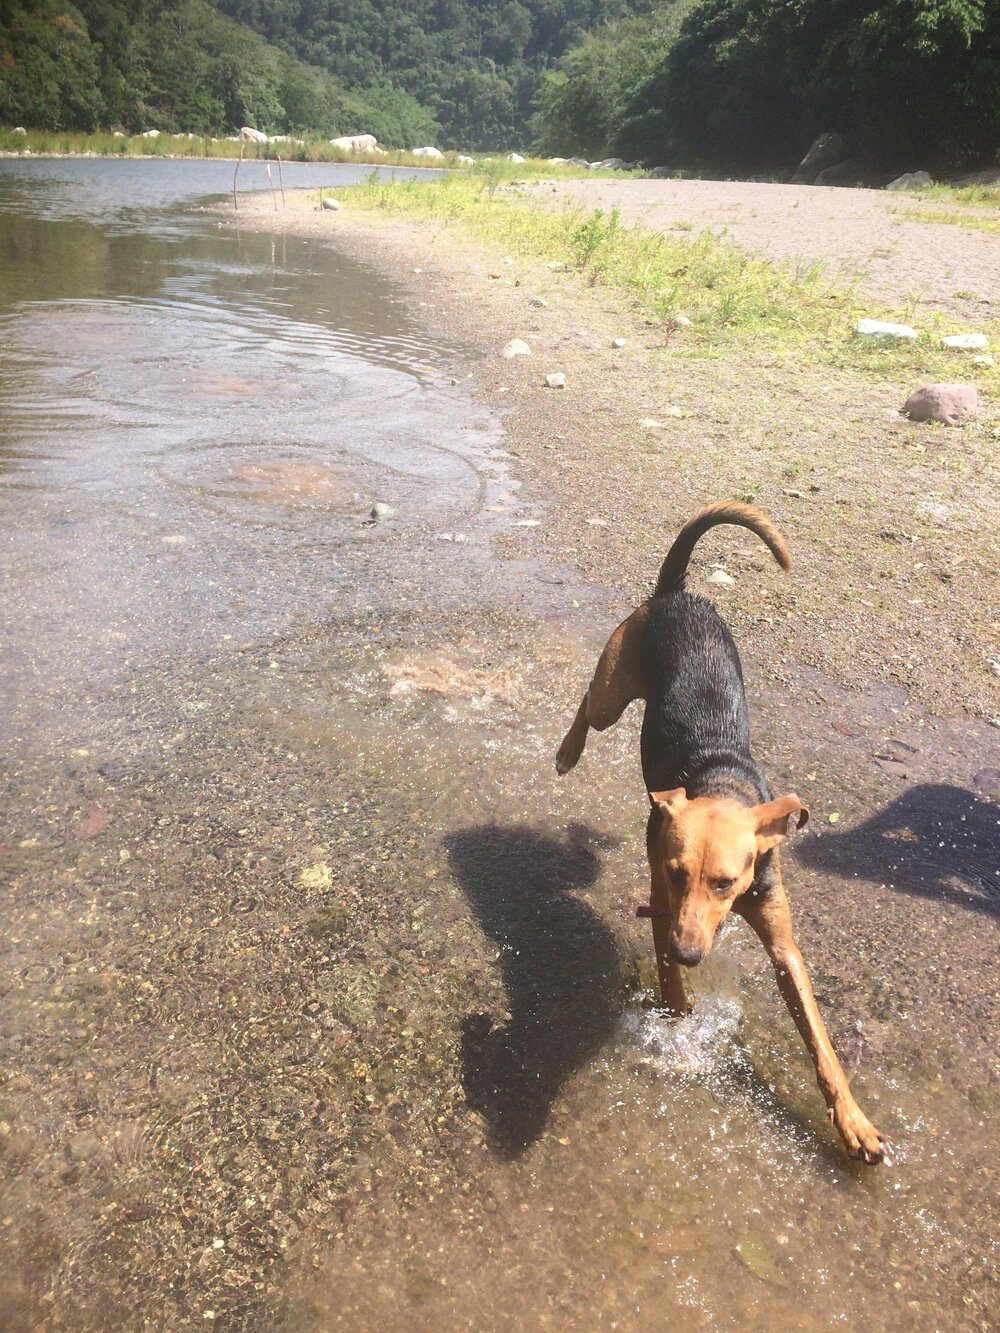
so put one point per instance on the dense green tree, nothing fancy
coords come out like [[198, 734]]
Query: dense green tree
[[177, 65], [584, 103], [745, 85], [477, 64]]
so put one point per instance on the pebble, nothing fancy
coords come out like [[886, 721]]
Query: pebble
[[950, 404], [682, 321], [650, 423], [720, 576], [538, 302], [516, 347], [82, 1146], [381, 510], [557, 266], [332, 204], [557, 380], [617, 342]]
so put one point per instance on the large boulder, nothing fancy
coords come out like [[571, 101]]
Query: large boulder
[[826, 150], [516, 158], [851, 172], [249, 135], [427, 152], [355, 143], [951, 404], [911, 180]]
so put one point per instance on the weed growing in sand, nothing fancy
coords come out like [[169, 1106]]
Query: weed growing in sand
[[976, 196], [731, 298], [974, 220]]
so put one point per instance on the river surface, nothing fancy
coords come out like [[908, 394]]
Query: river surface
[[323, 1002]]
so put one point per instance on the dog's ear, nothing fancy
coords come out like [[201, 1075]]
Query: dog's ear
[[772, 820], [668, 802]]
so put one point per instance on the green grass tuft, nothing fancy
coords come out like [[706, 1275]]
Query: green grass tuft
[[733, 299]]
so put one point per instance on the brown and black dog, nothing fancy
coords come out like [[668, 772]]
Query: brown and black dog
[[714, 827]]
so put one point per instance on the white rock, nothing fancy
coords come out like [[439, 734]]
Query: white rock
[[427, 151], [516, 347], [682, 321], [983, 361], [650, 423], [557, 266], [382, 510], [617, 342], [557, 380], [19, 129], [538, 302], [355, 143], [332, 204], [250, 135], [966, 341], [150, 134], [466, 160], [557, 161], [874, 328], [118, 134], [720, 576], [515, 157]]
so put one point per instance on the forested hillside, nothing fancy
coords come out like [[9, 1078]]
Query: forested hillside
[[476, 64], [177, 65], [461, 73], [745, 85]]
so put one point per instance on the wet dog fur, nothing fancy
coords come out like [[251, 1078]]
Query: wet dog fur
[[714, 828]]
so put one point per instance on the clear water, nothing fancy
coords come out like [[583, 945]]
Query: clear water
[[325, 1004]]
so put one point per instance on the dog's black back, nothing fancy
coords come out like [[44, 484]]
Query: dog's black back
[[696, 729]]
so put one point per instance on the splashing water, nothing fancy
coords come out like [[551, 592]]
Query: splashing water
[[692, 1046]]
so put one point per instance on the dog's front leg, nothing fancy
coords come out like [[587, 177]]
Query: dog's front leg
[[771, 919], [671, 984]]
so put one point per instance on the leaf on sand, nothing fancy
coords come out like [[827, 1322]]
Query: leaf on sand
[[91, 824], [758, 1259], [894, 767], [318, 876]]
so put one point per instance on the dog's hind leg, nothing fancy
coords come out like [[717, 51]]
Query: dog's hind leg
[[619, 678], [771, 919]]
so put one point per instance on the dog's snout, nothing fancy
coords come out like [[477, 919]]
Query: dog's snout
[[689, 955]]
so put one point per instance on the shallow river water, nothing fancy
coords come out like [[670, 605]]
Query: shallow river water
[[323, 1001]]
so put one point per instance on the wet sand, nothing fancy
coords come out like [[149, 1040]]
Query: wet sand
[[328, 1004]]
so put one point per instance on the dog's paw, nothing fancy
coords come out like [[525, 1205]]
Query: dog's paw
[[861, 1139]]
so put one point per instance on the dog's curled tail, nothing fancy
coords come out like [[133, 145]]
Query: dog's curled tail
[[673, 571]]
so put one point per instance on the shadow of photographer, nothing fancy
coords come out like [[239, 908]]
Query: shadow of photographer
[[935, 840]]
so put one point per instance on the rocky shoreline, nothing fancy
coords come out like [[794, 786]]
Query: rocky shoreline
[[893, 548]]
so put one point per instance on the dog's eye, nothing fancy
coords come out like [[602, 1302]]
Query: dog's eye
[[723, 885]]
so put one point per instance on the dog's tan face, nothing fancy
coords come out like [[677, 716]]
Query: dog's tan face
[[705, 852]]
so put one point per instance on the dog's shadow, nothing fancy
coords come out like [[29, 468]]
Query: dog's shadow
[[561, 967], [934, 841]]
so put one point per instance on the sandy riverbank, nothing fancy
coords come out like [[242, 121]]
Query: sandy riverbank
[[892, 526]]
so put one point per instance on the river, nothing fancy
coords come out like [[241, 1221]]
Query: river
[[323, 1004]]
